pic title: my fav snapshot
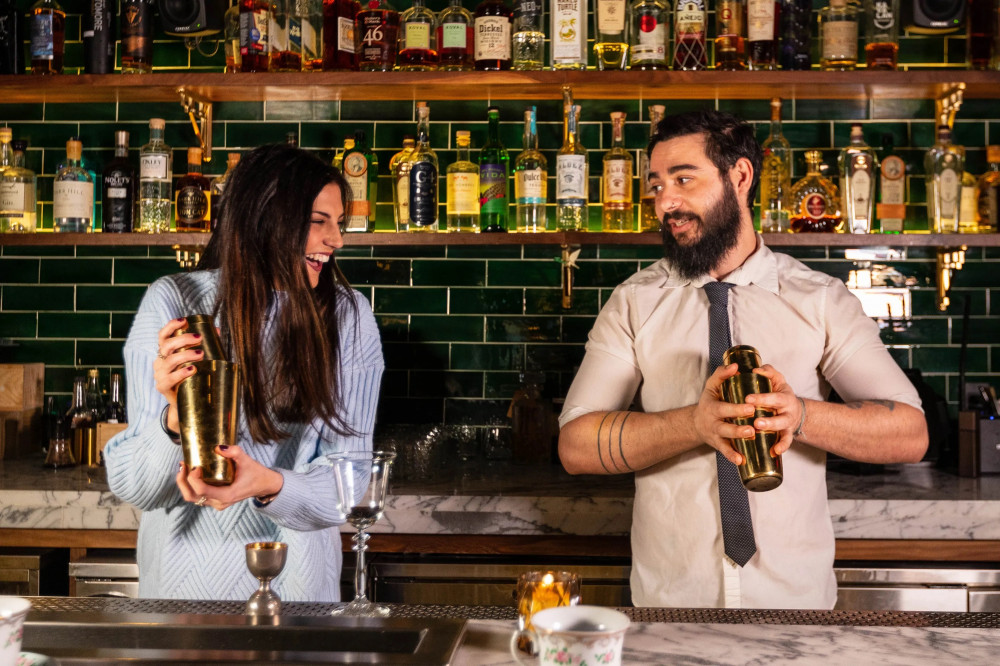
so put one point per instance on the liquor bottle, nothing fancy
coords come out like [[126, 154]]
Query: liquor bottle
[[881, 34], [73, 193], [80, 420], [118, 185], [306, 33], [571, 172], [281, 57], [255, 18], [492, 24], [891, 208], [858, 165], [18, 188], [988, 204], [775, 176], [462, 188], [417, 50], [838, 36], [11, 38], [762, 33], [399, 168], [137, 36], [730, 35], [361, 172], [231, 28], [114, 410], [568, 34], [796, 38], [84, 421], [610, 39], [968, 203], [531, 176], [616, 181], [690, 28], [218, 186], [814, 200], [423, 177], [155, 171], [193, 195], [292, 139], [494, 169], [375, 28], [338, 34], [455, 38], [647, 199], [47, 33], [338, 157], [648, 34], [943, 167], [528, 40], [99, 38], [983, 29], [94, 398]]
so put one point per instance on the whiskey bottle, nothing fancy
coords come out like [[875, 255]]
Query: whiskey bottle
[[610, 42], [218, 187], [762, 33], [494, 168], [730, 35], [306, 33], [881, 34], [647, 200], [361, 172], [47, 32], [891, 208], [983, 25], [571, 172], [648, 34], [155, 172], [455, 38], [73, 193], [99, 38], [18, 188], [616, 181], [988, 204], [423, 177], [375, 30], [338, 34], [530, 179], [528, 39], [399, 168], [568, 33], [943, 167], [690, 23], [231, 36], [137, 36], [11, 38], [114, 410], [838, 36], [858, 165], [796, 34], [462, 188], [118, 186], [492, 24], [192, 198], [775, 176], [254, 38], [281, 55], [80, 421], [814, 200], [417, 49]]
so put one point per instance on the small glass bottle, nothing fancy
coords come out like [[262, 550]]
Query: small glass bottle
[[530, 179], [137, 36], [18, 189], [47, 33], [12, 45], [338, 34], [815, 201], [375, 29], [858, 165], [571, 172], [610, 39], [838, 36], [423, 176], [730, 35], [155, 173], [193, 195], [648, 34], [80, 421], [494, 169], [73, 194], [690, 28], [255, 19], [231, 23], [943, 167], [361, 173], [114, 411], [568, 34], [218, 187], [89, 455], [796, 34], [118, 189], [763, 18], [417, 49], [98, 38], [775, 176], [647, 199], [528, 40], [399, 168], [492, 25], [881, 34], [455, 39], [891, 208], [983, 31], [616, 181], [988, 204], [462, 188]]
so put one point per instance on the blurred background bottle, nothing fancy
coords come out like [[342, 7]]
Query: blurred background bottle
[[462, 188], [610, 40], [417, 50], [568, 34], [73, 193], [891, 208], [648, 34], [492, 32], [338, 34], [423, 176], [18, 187], [192, 196], [11, 38], [943, 168], [796, 34], [982, 27], [399, 169], [838, 36], [375, 29], [988, 205], [231, 35], [616, 181], [118, 186], [80, 421], [528, 40], [571, 172], [762, 33], [361, 172], [647, 198], [775, 176], [815, 200], [494, 172], [99, 37], [255, 19], [858, 165], [306, 33], [114, 411]]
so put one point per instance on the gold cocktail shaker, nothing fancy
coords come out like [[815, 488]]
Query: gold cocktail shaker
[[207, 405], [759, 471]]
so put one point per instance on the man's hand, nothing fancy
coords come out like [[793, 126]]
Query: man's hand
[[711, 414], [786, 407]]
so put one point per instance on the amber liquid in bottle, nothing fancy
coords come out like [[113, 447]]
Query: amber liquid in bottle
[[375, 30], [253, 20], [881, 55], [730, 42], [51, 64], [338, 34]]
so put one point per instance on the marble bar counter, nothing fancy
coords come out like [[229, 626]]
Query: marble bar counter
[[500, 498]]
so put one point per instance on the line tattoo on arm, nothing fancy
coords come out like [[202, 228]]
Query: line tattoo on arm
[[858, 404], [610, 434]]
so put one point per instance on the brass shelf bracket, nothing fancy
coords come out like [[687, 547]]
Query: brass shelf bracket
[[947, 105], [187, 256], [567, 262], [949, 260], [200, 112]]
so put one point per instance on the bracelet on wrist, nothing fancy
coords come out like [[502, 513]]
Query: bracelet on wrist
[[175, 437], [802, 419]]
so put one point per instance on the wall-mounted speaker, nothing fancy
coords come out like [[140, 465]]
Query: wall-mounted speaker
[[934, 17], [192, 18]]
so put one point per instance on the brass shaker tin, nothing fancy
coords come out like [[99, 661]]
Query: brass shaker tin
[[207, 410], [759, 471], [211, 344]]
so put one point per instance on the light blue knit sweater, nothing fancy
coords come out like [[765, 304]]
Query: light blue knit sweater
[[190, 552]]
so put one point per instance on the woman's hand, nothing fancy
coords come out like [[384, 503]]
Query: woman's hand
[[169, 369], [782, 401], [251, 480]]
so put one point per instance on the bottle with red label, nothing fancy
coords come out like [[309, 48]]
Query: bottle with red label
[[375, 29], [815, 201], [492, 28], [338, 34], [255, 16]]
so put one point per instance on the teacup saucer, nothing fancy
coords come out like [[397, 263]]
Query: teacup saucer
[[34, 659]]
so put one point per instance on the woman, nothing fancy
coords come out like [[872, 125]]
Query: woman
[[310, 364]]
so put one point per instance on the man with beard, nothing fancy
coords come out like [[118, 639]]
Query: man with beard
[[641, 403]]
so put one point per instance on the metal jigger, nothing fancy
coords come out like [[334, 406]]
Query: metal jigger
[[265, 560]]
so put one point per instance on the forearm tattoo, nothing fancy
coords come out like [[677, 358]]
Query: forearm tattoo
[[888, 404], [610, 444]]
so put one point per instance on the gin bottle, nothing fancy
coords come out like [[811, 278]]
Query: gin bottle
[[690, 21], [399, 169], [881, 34], [361, 172], [647, 200], [530, 179], [528, 38], [118, 185], [775, 176], [858, 166], [648, 34], [423, 177], [155, 171], [943, 167], [891, 208], [988, 204], [616, 181], [568, 34], [838, 36], [571, 173], [610, 40], [492, 25], [47, 32], [18, 187], [494, 168], [762, 33], [73, 193], [815, 201], [462, 188], [796, 34], [417, 49]]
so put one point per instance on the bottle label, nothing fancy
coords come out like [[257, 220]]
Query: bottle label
[[861, 192], [42, 47], [652, 41], [417, 35], [345, 34], [527, 15], [492, 189], [356, 174], [423, 194], [571, 177], [530, 186], [403, 199], [729, 19], [492, 38], [760, 20], [377, 38], [463, 193], [690, 16], [815, 205], [840, 40], [453, 36], [617, 177], [611, 16], [967, 206], [253, 32], [948, 192], [16, 199], [192, 203], [883, 20], [72, 199], [153, 167], [569, 32]]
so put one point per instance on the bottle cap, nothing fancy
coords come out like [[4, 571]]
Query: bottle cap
[[615, 115], [74, 149], [93, 372], [462, 135], [194, 155], [993, 153], [19, 146], [5, 134], [121, 138], [157, 123], [232, 159]]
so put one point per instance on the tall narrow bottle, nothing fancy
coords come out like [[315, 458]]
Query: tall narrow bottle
[[338, 34], [730, 35], [361, 172], [838, 36], [423, 176], [281, 56], [494, 170], [943, 167], [95, 405], [967, 205], [375, 29], [568, 34], [231, 34], [616, 181], [647, 199], [988, 203], [417, 50], [982, 33], [455, 39], [73, 193], [118, 186], [858, 166], [137, 36], [775, 176], [462, 188], [763, 18], [528, 39], [796, 34], [217, 188], [18, 188], [11, 38], [114, 410], [399, 168], [891, 207], [47, 32], [690, 28], [571, 172], [155, 172], [254, 28], [648, 34], [99, 38], [530, 179], [610, 40], [881, 34], [193, 203], [815, 201], [492, 24], [306, 33], [80, 420]]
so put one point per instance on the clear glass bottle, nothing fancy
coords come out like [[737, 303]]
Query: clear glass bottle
[[647, 199], [943, 167], [423, 177], [610, 38], [114, 411], [18, 188], [306, 34], [254, 39], [361, 172], [231, 32], [218, 186], [775, 176], [118, 190], [155, 173], [616, 181], [417, 48], [193, 194], [455, 39], [137, 36], [376, 27], [690, 28], [462, 188], [763, 18], [983, 31], [858, 167], [881, 34], [47, 34], [492, 30], [796, 34], [968, 202], [988, 204], [730, 35], [891, 208], [528, 40], [80, 421], [815, 201], [494, 170], [838, 36], [571, 172], [531, 176], [12, 42], [338, 34], [73, 193], [94, 404], [648, 34], [399, 168], [281, 57], [94, 396], [568, 34]]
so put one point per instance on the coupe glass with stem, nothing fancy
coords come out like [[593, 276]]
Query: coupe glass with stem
[[362, 479]]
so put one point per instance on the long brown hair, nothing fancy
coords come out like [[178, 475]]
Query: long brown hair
[[259, 247]]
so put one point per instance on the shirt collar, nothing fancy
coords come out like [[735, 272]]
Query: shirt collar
[[760, 268]]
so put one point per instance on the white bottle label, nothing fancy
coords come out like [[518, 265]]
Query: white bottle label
[[15, 199], [569, 32], [356, 175], [453, 36], [403, 199], [345, 34], [72, 199], [117, 192], [571, 177], [760, 20], [611, 16], [418, 36], [840, 40], [492, 38], [153, 167], [463, 194], [967, 206], [617, 175], [530, 186], [861, 183], [949, 186]]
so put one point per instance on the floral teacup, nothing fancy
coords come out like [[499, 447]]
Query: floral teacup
[[575, 636], [13, 610]]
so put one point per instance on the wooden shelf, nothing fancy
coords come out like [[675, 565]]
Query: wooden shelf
[[375, 86]]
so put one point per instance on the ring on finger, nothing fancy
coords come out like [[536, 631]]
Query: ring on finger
[[160, 355], [201, 501]]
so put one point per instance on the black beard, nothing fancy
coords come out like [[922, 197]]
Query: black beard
[[720, 229]]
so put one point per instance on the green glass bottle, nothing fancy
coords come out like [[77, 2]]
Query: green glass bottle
[[494, 167], [360, 168]]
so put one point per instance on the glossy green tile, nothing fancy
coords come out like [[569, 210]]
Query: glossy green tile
[[171, 55], [121, 324], [549, 302], [995, 359], [452, 272], [112, 250], [143, 271], [18, 325], [901, 355], [604, 273], [807, 135], [920, 331], [486, 251], [446, 384], [48, 135], [27, 297], [398, 110], [39, 250], [19, 271], [924, 302], [475, 412], [80, 111], [485, 301], [410, 300], [410, 410], [91, 352], [802, 253], [976, 274], [747, 109], [68, 324], [393, 327], [824, 109], [576, 329], [50, 352], [395, 383], [501, 384], [446, 328], [946, 359], [982, 330], [416, 355], [237, 111], [924, 49], [487, 357], [284, 110], [409, 251], [652, 252], [256, 134], [104, 298], [554, 358], [376, 271], [523, 273], [13, 112], [522, 329], [675, 106], [902, 109]]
